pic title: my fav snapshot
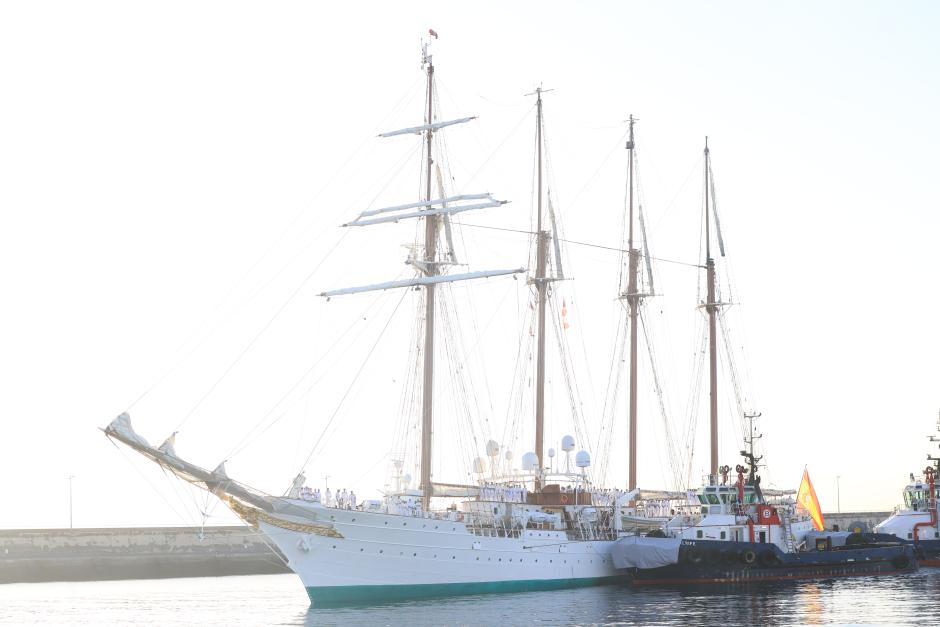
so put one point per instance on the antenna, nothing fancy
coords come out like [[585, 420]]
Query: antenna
[[752, 460]]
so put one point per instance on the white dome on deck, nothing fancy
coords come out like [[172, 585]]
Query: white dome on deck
[[567, 444], [582, 459], [492, 448], [530, 461]]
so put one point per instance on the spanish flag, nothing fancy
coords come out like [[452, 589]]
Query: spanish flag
[[806, 500]]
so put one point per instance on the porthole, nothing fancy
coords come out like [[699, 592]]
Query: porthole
[[334, 546], [381, 550]]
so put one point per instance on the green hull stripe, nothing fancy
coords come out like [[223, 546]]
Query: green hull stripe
[[336, 595]]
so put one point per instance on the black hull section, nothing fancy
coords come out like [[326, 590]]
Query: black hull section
[[716, 562], [926, 551]]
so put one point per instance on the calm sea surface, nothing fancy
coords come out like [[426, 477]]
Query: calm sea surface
[[280, 600]]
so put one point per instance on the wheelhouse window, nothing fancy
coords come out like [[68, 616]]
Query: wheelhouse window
[[713, 499]]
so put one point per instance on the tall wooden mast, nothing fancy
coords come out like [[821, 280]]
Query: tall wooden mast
[[430, 269], [541, 284], [712, 308], [633, 300]]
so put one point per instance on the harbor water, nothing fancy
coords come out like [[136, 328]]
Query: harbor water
[[281, 600]]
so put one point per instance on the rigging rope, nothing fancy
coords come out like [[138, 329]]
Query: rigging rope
[[354, 380], [287, 229]]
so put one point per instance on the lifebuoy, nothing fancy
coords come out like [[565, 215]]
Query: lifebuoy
[[564, 498], [748, 556]]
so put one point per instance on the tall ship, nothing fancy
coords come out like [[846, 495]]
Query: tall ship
[[534, 529], [740, 533], [916, 522]]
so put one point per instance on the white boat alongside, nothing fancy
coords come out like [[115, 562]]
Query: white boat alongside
[[917, 521]]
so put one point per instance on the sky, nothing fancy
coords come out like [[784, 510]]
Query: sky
[[173, 177]]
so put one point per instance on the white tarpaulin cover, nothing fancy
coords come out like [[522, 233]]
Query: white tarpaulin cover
[[643, 552]]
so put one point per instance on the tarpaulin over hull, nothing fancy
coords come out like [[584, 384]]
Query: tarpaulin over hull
[[838, 537], [643, 552]]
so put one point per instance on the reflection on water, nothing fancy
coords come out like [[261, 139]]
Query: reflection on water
[[281, 600]]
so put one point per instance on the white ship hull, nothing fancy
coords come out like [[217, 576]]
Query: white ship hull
[[374, 556]]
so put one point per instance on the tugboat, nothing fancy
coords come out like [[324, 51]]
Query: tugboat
[[739, 536], [916, 523]]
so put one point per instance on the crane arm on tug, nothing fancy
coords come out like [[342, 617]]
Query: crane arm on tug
[[930, 476], [741, 505]]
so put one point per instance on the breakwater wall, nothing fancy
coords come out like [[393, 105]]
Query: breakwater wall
[[33, 555], [852, 521]]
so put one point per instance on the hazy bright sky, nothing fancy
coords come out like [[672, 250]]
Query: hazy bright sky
[[171, 173]]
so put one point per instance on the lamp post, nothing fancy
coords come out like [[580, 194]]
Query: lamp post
[[838, 499], [70, 477]]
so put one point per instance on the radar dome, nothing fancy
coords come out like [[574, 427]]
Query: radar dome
[[551, 452], [406, 479], [582, 459], [508, 455], [492, 448], [530, 461], [567, 444]]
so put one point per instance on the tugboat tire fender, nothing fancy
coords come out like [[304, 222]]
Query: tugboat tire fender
[[748, 556], [900, 562], [767, 558]]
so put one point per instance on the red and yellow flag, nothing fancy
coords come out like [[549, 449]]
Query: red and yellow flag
[[806, 500]]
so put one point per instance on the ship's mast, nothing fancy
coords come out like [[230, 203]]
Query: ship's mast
[[430, 268], [633, 300], [712, 308], [541, 285]]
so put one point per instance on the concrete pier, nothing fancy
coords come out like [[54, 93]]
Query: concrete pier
[[33, 555]]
